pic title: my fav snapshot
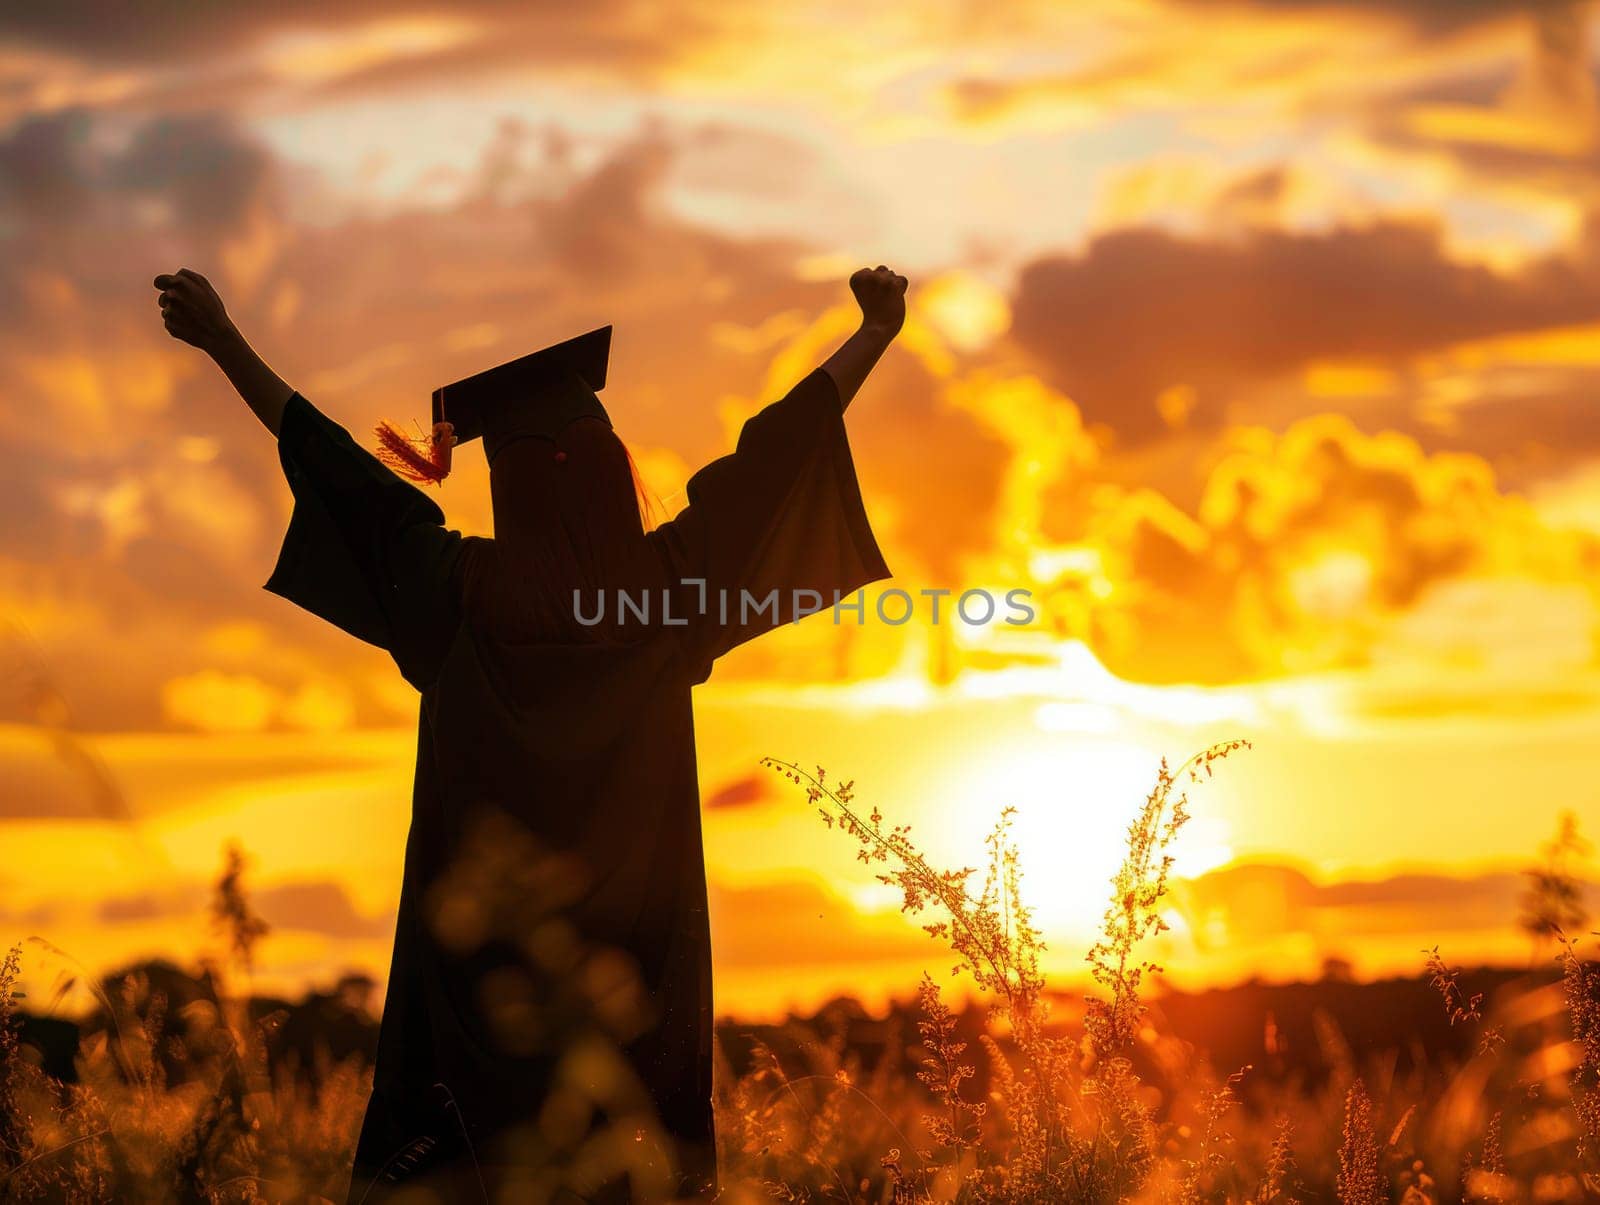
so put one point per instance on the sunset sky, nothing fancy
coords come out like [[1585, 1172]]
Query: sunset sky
[[1258, 340]]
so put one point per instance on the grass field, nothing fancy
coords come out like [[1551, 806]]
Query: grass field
[[179, 1084]]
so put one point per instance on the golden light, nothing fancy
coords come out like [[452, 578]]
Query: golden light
[[316, 57], [1074, 801], [1335, 583], [967, 310], [1349, 379], [213, 701]]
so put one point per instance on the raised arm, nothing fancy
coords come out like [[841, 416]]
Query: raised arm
[[193, 313], [882, 297]]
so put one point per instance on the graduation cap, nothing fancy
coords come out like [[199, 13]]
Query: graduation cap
[[534, 395]]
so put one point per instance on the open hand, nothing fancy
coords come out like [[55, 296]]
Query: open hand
[[882, 297], [192, 311]]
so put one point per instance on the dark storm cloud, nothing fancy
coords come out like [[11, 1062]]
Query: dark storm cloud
[[1143, 310]]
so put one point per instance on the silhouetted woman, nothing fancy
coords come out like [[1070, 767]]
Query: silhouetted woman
[[548, 1026]]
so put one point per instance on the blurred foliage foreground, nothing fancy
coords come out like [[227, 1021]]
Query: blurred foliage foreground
[[176, 1086]]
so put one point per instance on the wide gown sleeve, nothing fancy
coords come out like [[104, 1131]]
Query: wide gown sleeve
[[775, 530], [365, 550]]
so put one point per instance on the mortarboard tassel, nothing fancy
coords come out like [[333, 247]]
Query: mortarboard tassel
[[425, 461]]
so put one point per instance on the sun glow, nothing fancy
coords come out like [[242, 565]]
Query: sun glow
[[1073, 806]]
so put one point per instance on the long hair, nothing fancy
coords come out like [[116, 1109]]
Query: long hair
[[570, 521]]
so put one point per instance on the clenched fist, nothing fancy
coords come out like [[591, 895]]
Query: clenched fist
[[192, 311], [882, 297]]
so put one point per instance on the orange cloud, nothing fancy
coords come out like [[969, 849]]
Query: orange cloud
[[1303, 552]]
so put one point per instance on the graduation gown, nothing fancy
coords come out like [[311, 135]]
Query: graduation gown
[[548, 1025]]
